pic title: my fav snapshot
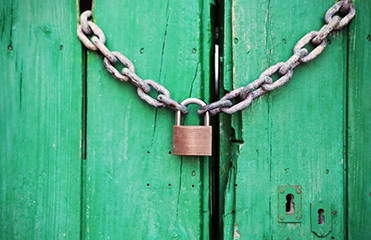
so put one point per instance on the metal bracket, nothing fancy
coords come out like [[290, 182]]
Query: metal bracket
[[321, 217], [289, 204]]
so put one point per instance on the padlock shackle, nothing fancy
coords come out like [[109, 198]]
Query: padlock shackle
[[190, 101]]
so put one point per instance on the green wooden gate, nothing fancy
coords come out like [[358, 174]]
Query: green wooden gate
[[82, 157]]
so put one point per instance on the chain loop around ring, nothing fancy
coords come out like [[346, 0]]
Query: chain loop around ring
[[124, 60], [148, 99]]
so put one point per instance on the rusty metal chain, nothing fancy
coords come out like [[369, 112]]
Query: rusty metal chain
[[127, 74], [265, 83], [246, 94]]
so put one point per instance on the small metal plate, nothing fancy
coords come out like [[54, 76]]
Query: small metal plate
[[289, 204], [321, 217]]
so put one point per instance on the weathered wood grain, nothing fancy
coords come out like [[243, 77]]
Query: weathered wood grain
[[40, 120], [135, 187], [294, 135], [228, 148], [314, 131], [359, 124]]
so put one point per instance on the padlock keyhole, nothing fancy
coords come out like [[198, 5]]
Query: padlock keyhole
[[290, 204], [321, 216]]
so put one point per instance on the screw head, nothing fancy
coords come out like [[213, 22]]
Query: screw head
[[298, 190], [298, 217], [320, 200], [282, 191], [321, 233], [282, 217]]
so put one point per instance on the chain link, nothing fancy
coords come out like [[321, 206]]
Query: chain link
[[246, 94], [85, 40], [172, 104], [124, 60], [97, 42], [315, 52], [84, 18], [159, 88], [345, 8], [350, 13], [265, 83]]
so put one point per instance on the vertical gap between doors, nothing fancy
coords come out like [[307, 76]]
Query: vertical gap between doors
[[83, 6]]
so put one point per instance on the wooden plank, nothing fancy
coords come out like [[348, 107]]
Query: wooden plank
[[40, 120], [359, 122], [294, 135], [135, 187], [252, 171], [226, 171]]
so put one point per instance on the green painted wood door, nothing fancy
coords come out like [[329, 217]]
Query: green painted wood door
[[82, 157], [40, 120], [314, 132], [135, 187]]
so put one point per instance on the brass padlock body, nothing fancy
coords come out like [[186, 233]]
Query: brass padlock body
[[192, 140]]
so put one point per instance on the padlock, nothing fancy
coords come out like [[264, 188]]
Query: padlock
[[192, 140]]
